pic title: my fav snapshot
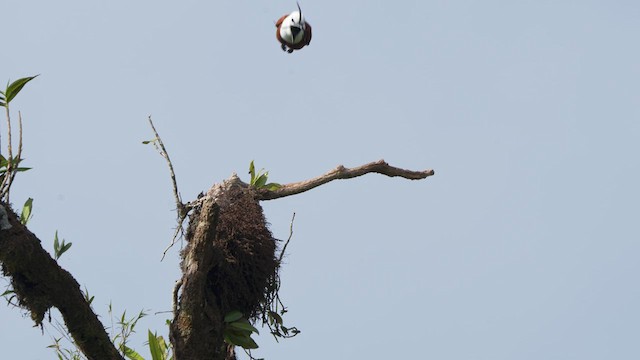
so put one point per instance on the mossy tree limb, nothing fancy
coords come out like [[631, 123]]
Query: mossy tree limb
[[40, 283]]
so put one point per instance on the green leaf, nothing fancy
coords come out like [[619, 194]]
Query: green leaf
[[56, 245], [60, 248], [277, 318], [4, 163], [65, 247], [261, 180], [272, 186], [15, 87], [163, 347], [233, 316], [7, 292], [89, 298], [243, 326], [26, 211], [154, 346], [132, 354], [252, 171], [240, 340]]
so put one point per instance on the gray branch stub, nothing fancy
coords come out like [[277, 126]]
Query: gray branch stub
[[4, 219]]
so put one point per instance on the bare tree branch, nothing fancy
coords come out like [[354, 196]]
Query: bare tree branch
[[19, 135], [182, 209], [340, 172], [163, 152], [9, 141], [284, 248], [179, 231]]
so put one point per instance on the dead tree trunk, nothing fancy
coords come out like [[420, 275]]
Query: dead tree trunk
[[226, 265], [230, 259]]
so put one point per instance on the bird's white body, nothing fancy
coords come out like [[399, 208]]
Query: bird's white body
[[293, 31], [286, 33]]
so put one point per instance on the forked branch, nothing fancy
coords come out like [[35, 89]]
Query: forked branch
[[341, 172]]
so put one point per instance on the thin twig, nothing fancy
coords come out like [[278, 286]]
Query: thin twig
[[19, 135], [163, 152], [9, 134], [174, 239], [60, 328], [14, 171], [289, 239], [10, 172], [6, 107], [340, 172], [6, 176], [182, 209]]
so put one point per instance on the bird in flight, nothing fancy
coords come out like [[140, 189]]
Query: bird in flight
[[293, 31]]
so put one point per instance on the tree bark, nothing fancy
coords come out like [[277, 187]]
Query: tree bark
[[227, 265], [341, 172], [40, 283]]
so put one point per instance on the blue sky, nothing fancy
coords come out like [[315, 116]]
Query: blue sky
[[523, 246]]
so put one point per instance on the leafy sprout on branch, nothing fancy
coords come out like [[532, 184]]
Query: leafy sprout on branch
[[9, 164], [259, 180]]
